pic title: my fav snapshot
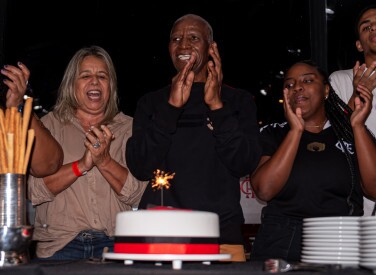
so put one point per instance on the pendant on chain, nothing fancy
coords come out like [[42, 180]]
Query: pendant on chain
[[316, 147]]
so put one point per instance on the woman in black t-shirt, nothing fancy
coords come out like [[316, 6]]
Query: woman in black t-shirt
[[318, 163]]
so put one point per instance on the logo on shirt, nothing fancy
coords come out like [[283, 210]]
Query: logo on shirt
[[274, 125], [349, 147]]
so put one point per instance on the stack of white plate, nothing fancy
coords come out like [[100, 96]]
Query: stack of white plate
[[368, 242], [331, 240]]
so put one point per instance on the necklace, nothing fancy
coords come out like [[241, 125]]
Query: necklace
[[317, 126], [316, 146]]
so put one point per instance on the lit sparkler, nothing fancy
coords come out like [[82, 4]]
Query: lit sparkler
[[161, 180]]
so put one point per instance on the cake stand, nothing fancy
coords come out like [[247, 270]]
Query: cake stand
[[176, 259]]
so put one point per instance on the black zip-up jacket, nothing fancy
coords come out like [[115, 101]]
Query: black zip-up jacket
[[207, 150]]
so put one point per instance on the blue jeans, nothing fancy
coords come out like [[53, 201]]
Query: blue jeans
[[87, 244]]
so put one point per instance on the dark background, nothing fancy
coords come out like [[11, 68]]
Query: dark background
[[257, 40]]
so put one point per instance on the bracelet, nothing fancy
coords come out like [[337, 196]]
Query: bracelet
[[77, 171]]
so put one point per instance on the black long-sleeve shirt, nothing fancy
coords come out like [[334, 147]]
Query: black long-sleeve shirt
[[207, 150]]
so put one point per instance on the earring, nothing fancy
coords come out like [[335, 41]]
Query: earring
[[326, 97]]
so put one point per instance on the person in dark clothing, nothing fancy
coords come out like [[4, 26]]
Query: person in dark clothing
[[319, 163], [200, 129]]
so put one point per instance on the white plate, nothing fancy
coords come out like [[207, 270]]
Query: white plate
[[334, 248], [367, 250], [331, 236], [343, 263], [324, 253], [367, 256], [368, 223], [339, 218], [367, 245], [364, 241], [331, 228], [368, 218], [367, 238], [330, 258], [331, 240], [367, 227], [327, 244], [367, 230], [367, 261], [332, 232], [368, 264], [332, 223]]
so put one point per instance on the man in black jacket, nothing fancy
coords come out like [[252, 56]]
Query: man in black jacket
[[201, 130]]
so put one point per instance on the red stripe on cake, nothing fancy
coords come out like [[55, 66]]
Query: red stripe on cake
[[165, 248]]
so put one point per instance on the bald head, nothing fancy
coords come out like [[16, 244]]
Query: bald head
[[197, 18]]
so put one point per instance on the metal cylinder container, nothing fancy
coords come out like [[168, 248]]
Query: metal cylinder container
[[15, 234], [12, 200]]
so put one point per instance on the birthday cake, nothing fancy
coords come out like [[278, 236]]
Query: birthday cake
[[166, 231]]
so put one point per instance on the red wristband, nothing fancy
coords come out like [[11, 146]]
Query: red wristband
[[77, 171]]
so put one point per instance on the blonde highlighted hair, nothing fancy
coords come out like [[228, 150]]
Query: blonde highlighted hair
[[67, 104]]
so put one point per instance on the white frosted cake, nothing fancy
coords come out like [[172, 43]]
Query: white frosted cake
[[167, 231]]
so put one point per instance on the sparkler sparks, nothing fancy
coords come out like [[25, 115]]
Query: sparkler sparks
[[161, 179]]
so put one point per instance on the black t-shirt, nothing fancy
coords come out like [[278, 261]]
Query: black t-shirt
[[320, 181]]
